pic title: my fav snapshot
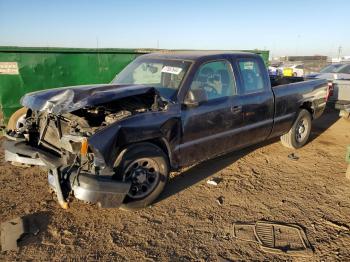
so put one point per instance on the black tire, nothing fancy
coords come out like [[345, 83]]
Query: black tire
[[157, 159], [13, 121], [295, 138]]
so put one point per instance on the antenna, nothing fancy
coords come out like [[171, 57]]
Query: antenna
[[340, 48]]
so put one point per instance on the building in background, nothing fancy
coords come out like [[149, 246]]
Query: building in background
[[308, 64]]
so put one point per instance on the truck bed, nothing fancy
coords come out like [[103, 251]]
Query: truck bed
[[282, 80], [296, 94]]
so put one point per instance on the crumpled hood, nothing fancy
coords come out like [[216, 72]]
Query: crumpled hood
[[68, 99]]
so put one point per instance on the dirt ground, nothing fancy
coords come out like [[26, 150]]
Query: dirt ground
[[187, 223]]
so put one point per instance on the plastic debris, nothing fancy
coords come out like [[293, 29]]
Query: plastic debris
[[220, 200], [214, 181], [16, 232], [293, 156]]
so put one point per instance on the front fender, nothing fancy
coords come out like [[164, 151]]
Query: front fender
[[162, 126]]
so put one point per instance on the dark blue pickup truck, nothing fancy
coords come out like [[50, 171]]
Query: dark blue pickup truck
[[115, 144]]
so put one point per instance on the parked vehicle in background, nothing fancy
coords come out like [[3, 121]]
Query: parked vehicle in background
[[333, 72], [115, 144], [275, 71], [340, 97], [298, 70], [294, 70], [338, 76]]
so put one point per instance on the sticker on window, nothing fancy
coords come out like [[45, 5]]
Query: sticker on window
[[172, 70]]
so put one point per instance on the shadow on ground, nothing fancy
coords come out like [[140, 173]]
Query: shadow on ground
[[36, 223], [203, 170], [320, 125]]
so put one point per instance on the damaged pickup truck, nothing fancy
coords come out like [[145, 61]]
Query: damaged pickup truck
[[115, 144]]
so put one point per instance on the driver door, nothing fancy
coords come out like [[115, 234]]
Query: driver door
[[206, 125]]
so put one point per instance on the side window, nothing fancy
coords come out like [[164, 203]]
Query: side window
[[252, 76], [216, 78]]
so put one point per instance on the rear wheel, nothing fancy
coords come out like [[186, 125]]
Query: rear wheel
[[17, 119], [146, 167], [299, 134]]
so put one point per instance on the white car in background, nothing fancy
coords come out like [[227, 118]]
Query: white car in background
[[298, 70]]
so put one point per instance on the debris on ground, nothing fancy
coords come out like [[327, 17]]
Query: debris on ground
[[293, 156], [336, 225], [214, 181], [220, 200], [14, 231], [273, 237]]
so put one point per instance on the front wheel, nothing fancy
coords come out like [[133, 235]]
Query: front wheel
[[299, 134], [146, 167]]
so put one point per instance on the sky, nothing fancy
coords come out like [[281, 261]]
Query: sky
[[296, 27]]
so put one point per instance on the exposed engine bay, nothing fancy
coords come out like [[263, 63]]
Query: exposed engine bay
[[42, 128]]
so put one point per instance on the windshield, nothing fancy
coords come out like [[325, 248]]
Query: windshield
[[165, 75], [337, 68]]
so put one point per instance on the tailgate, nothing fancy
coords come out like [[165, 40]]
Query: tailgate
[[341, 90]]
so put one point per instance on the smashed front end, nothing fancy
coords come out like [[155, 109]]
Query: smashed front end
[[66, 134]]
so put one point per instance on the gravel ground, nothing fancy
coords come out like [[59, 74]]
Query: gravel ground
[[187, 222]]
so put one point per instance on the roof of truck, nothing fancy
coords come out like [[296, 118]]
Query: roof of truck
[[195, 55]]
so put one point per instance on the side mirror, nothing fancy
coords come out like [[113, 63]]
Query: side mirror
[[195, 97]]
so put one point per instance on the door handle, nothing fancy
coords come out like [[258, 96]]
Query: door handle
[[236, 109]]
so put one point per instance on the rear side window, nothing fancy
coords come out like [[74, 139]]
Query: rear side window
[[252, 77]]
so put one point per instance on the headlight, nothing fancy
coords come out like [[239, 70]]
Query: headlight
[[75, 144]]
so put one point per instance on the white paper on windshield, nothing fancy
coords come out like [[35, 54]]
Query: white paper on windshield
[[172, 70]]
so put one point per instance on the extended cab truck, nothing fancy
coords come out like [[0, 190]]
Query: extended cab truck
[[115, 144]]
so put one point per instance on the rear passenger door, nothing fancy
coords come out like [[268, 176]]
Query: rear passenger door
[[255, 101]]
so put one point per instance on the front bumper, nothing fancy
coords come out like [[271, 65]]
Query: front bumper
[[101, 190]]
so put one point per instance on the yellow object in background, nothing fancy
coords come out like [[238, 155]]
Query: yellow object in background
[[287, 71]]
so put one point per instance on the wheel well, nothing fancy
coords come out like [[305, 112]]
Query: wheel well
[[163, 144], [159, 142], [309, 107]]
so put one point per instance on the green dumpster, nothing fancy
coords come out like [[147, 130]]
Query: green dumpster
[[28, 69]]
